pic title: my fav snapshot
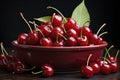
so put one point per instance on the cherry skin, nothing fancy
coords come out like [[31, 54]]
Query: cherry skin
[[55, 31], [86, 31], [45, 41], [87, 71], [45, 30], [112, 59], [46, 70], [22, 38], [114, 67], [71, 41], [56, 20], [71, 24], [95, 67], [59, 43], [3, 62], [82, 41], [105, 68], [46, 23], [71, 32], [32, 38]]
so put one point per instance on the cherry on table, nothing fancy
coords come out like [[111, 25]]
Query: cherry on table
[[46, 70], [95, 67], [86, 70]]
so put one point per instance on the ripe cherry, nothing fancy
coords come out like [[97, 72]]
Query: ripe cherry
[[22, 38], [114, 67], [86, 70], [46, 70], [55, 31], [32, 38], [95, 67], [45, 41], [71, 32], [56, 20], [71, 41], [71, 24]]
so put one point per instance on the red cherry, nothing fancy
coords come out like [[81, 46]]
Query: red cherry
[[71, 41], [22, 38], [32, 38], [71, 24], [95, 67], [86, 31], [86, 70], [55, 31], [46, 70], [114, 67], [105, 68], [82, 41], [45, 30], [45, 23], [56, 20], [3, 62], [45, 41], [71, 32]]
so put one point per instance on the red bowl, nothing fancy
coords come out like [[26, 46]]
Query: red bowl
[[61, 58]]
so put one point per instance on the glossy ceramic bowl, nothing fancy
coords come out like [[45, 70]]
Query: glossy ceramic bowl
[[61, 58]]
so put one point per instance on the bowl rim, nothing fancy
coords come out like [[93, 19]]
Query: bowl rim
[[15, 44]]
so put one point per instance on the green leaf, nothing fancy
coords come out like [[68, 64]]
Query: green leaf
[[43, 19], [81, 15]]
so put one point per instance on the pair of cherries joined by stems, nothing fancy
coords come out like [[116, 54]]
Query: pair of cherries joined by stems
[[59, 31], [104, 65]]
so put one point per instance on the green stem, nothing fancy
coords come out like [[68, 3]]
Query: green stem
[[100, 28], [26, 22], [102, 34], [117, 54], [37, 72], [88, 59]]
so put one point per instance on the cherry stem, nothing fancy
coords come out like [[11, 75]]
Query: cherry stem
[[62, 36], [117, 54], [107, 50], [33, 22], [106, 59], [88, 59], [100, 28], [102, 34], [26, 22], [37, 72], [28, 69], [3, 48], [40, 32], [50, 7]]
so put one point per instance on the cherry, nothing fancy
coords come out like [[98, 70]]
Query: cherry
[[3, 62], [55, 31], [71, 41], [22, 38], [82, 40], [46, 23], [86, 70], [45, 30], [59, 43], [95, 67], [71, 24], [46, 70], [114, 67], [95, 38], [32, 35], [71, 32], [45, 41], [105, 68], [56, 20]]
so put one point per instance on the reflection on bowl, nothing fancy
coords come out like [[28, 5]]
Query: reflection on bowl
[[61, 58]]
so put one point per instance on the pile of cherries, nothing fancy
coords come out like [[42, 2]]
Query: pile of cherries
[[105, 65], [12, 64], [60, 32]]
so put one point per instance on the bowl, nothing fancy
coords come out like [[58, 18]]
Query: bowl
[[61, 58]]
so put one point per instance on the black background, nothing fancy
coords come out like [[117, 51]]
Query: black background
[[101, 11]]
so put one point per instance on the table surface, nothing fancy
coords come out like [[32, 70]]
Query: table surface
[[58, 76]]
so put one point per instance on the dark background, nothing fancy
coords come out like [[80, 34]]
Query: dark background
[[101, 11]]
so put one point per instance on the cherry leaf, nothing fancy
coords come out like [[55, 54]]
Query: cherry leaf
[[43, 19], [81, 14]]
